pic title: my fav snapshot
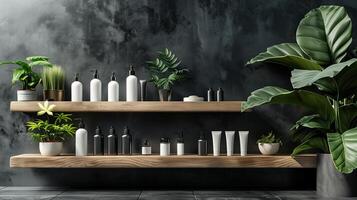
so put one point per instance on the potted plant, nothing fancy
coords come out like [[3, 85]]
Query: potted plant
[[51, 130], [53, 83], [325, 83], [25, 75], [165, 72], [269, 144]]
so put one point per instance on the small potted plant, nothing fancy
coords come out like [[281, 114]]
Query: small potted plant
[[165, 72], [269, 144], [51, 130], [25, 75], [53, 83]]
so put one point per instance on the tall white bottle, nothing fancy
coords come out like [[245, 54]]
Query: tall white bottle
[[81, 140], [131, 86], [76, 90], [113, 89], [95, 88]]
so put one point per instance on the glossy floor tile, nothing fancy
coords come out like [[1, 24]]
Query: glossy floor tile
[[51, 193]]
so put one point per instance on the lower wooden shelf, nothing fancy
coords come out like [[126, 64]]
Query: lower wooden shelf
[[156, 161]]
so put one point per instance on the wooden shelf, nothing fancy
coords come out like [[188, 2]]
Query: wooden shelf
[[121, 106], [156, 161]]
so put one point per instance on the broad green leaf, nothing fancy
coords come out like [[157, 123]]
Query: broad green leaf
[[325, 34], [311, 144], [343, 148], [17, 74], [287, 54], [335, 78], [37, 58], [274, 95], [40, 63], [347, 114], [312, 121]]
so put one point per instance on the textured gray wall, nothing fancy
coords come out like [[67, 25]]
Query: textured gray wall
[[214, 38]]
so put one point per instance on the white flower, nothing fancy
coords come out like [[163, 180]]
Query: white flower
[[45, 108]]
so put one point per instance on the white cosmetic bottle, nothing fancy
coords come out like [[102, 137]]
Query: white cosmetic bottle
[[180, 145], [230, 142], [76, 90], [113, 89], [216, 139], [95, 88], [131, 86], [81, 140]]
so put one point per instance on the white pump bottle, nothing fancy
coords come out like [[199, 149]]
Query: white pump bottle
[[76, 90], [81, 140], [131, 86], [95, 88], [113, 89]]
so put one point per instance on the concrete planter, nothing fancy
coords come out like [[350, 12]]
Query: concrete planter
[[26, 95], [268, 148], [50, 148]]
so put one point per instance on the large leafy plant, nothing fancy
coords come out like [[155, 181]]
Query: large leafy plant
[[323, 82], [165, 70], [53, 128], [25, 74]]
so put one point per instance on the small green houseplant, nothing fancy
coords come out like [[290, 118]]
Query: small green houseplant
[[26, 76], [269, 144], [53, 83], [165, 71], [325, 83], [51, 130]]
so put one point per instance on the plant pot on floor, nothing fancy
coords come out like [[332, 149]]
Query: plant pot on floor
[[50, 148], [330, 182], [53, 95], [165, 95], [26, 95], [268, 148]]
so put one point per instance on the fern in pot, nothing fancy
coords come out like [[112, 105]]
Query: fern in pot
[[50, 129], [53, 83], [26, 75], [165, 71]]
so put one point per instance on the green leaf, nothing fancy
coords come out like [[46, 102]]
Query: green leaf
[[343, 148], [347, 114], [37, 58], [312, 121], [311, 144], [275, 95], [40, 63], [17, 74], [335, 78], [287, 54], [325, 34]]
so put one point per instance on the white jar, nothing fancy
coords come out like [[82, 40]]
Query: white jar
[[180, 148], [164, 147]]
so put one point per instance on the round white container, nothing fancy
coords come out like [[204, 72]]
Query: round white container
[[50, 148], [268, 148]]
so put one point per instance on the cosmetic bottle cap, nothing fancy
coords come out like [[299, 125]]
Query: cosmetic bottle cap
[[76, 75], [180, 138], [209, 89], [131, 70], [113, 78], [98, 131], [81, 124], [146, 143], [220, 89], [164, 140], [95, 75], [111, 131], [126, 131]]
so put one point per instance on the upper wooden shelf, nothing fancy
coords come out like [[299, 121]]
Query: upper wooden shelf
[[122, 106], [156, 161]]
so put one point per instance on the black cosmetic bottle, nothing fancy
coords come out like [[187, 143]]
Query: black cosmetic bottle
[[126, 142], [112, 142], [98, 148], [202, 145]]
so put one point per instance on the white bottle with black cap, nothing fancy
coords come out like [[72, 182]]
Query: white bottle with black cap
[[131, 86], [81, 140], [76, 90], [180, 145], [95, 88], [113, 89], [164, 146]]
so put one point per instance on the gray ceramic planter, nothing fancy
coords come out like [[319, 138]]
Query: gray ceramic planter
[[331, 183]]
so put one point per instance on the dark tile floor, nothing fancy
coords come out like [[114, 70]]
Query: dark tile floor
[[52, 193]]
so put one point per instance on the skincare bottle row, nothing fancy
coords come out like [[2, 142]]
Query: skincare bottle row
[[113, 88], [243, 139]]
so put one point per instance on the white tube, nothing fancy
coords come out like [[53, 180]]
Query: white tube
[[230, 142], [216, 138], [243, 139]]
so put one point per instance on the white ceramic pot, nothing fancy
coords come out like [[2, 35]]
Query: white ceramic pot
[[268, 148], [26, 95], [50, 148]]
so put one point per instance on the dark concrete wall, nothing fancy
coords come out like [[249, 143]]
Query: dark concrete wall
[[214, 38]]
